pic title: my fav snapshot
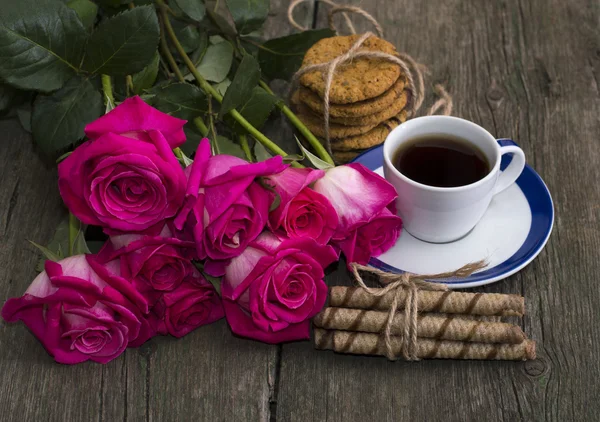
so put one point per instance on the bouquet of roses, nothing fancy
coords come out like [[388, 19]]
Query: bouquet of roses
[[190, 242]]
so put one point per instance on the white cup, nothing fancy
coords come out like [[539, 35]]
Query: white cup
[[440, 215]]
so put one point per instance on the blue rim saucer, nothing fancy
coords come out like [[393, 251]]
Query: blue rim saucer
[[536, 195]]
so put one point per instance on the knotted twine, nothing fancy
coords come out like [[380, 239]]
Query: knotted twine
[[412, 283], [405, 61]]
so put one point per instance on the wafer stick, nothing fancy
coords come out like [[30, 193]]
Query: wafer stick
[[451, 327], [432, 301], [373, 344]]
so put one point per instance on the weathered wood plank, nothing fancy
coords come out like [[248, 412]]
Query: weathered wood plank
[[526, 69], [33, 386]]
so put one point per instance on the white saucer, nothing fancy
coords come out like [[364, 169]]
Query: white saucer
[[510, 235]]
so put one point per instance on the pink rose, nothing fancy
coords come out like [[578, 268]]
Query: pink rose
[[274, 287], [302, 212], [373, 238], [148, 265], [133, 118], [225, 207], [76, 315], [122, 184], [364, 202], [192, 304]]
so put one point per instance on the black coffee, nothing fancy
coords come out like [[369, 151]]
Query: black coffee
[[442, 161]]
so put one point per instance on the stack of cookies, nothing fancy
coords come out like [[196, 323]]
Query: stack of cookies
[[368, 96]]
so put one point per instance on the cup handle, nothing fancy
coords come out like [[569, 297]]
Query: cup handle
[[514, 169]]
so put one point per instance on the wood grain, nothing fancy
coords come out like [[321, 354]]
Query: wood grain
[[527, 70]]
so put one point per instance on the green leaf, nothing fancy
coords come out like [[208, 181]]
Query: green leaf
[[47, 255], [147, 76], [79, 244], [41, 44], [181, 100], [193, 8], [216, 62], [315, 161], [280, 58], [58, 247], [188, 35], [227, 146], [123, 44], [193, 137], [86, 10], [7, 95], [256, 110], [245, 80], [24, 115], [248, 15], [260, 152], [221, 87], [58, 119]]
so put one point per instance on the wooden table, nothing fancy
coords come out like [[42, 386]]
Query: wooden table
[[527, 69]]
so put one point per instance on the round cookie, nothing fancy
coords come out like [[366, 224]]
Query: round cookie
[[374, 137], [357, 80], [358, 109], [393, 110], [315, 124]]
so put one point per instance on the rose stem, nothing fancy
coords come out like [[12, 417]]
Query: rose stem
[[129, 84], [213, 133], [167, 53], [200, 125], [245, 147], [107, 89], [314, 142], [206, 87]]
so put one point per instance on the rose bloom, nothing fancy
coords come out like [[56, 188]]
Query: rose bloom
[[125, 182], [274, 287], [364, 202], [302, 212], [148, 265], [76, 315], [192, 304], [225, 207]]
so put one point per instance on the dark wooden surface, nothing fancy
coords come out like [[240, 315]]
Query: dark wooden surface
[[523, 69]]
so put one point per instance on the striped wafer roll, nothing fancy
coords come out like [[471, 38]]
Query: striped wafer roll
[[432, 301], [373, 344], [450, 327]]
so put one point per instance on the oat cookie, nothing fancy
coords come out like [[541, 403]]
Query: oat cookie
[[374, 137], [315, 124], [358, 109], [358, 80], [393, 110]]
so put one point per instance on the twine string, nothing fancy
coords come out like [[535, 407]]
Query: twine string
[[407, 285]]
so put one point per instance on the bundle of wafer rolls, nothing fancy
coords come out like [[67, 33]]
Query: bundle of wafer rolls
[[450, 325]]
